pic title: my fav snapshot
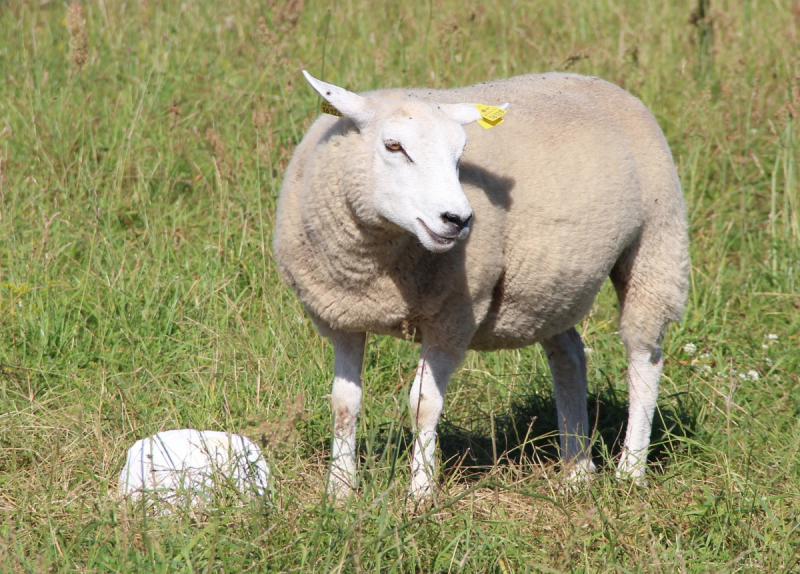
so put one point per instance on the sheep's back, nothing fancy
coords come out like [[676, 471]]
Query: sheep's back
[[581, 168]]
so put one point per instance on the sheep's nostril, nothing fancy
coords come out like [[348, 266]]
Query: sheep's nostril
[[456, 220]]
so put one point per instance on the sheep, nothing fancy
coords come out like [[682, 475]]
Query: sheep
[[404, 216]]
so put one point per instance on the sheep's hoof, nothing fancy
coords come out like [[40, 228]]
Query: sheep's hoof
[[419, 502], [421, 489], [632, 468], [638, 480], [578, 477], [340, 489]]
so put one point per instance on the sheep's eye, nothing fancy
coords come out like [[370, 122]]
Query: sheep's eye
[[394, 146]]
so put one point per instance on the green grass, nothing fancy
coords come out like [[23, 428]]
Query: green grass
[[138, 294]]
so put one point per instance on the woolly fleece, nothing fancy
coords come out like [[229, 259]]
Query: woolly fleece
[[576, 185]]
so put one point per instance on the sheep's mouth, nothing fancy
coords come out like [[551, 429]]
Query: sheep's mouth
[[438, 239]]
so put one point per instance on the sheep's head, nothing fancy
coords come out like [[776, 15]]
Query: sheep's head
[[416, 149]]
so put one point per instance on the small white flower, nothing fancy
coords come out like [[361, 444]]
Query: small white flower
[[769, 361], [765, 346], [772, 337], [705, 356], [707, 369], [742, 376], [690, 349], [752, 375], [588, 351]]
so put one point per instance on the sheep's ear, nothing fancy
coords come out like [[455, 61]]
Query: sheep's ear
[[357, 108], [461, 113], [464, 113]]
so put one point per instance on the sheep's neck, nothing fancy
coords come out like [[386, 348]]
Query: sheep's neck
[[356, 271], [355, 244]]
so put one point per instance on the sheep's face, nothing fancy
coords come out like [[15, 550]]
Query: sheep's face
[[416, 149], [416, 152]]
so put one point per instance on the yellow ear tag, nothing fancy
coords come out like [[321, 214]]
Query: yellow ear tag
[[491, 116], [327, 108]]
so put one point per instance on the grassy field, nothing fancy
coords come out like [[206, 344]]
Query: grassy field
[[142, 147]]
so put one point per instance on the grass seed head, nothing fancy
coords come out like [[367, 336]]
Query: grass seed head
[[265, 35], [290, 13], [144, 9], [78, 37], [281, 435], [220, 153], [174, 113], [260, 116]]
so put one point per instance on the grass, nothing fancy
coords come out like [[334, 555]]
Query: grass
[[142, 147]]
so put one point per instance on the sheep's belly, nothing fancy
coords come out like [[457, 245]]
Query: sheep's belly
[[521, 319]]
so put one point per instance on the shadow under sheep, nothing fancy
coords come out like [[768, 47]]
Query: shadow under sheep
[[528, 430]]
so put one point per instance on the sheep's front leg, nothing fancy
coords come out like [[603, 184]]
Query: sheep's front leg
[[348, 351], [427, 399], [567, 362]]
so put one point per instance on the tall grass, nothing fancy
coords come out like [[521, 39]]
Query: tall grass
[[142, 147]]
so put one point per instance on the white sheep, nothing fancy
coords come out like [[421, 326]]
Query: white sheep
[[383, 226]]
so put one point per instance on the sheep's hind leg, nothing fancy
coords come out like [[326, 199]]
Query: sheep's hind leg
[[651, 284], [427, 400], [346, 403], [644, 373], [567, 362]]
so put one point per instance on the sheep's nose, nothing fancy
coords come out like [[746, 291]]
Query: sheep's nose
[[456, 220]]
